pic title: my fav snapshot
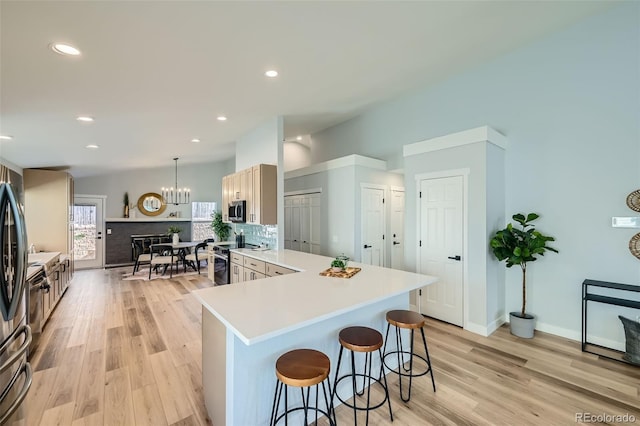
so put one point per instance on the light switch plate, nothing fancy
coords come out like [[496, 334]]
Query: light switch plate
[[625, 222], [109, 231]]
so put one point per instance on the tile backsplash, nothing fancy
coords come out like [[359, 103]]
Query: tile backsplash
[[259, 234]]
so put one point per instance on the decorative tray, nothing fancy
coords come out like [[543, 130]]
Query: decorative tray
[[346, 273], [633, 200]]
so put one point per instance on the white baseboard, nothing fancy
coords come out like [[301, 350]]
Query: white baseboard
[[476, 328], [575, 335]]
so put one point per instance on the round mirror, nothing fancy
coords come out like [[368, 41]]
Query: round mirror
[[151, 204]]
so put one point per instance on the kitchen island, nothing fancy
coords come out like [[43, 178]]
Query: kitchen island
[[246, 326]]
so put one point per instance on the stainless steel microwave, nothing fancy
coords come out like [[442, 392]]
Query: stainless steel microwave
[[238, 211]]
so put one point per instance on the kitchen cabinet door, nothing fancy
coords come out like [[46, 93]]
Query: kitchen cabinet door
[[248, 194], [225, 199], [250, 275], [237, 273], [256, 188]]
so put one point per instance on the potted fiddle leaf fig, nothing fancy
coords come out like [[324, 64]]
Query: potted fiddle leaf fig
[[519, 246]]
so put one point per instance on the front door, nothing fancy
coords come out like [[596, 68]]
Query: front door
[[441, 244], [88, 244], [372, 215]]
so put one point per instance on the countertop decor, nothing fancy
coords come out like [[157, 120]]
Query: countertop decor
[[342, 273]]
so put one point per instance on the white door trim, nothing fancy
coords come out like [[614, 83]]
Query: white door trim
[[303, 192], [464, 172], [385, 196], [104, 210]]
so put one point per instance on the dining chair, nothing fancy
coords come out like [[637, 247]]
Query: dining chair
[[199, 254], [139, 255], [162, 254]]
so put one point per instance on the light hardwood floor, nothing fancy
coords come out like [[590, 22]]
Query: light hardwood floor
[[129, 353]]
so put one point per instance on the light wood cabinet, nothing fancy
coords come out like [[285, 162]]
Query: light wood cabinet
[[256, 185], [275, 270], [225, 199], [246, 268], [48, 211]]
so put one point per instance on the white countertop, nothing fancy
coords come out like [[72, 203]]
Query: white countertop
[[259, 310], [42, 258]]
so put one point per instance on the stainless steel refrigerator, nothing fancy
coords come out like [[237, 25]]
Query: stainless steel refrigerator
[[15, 334]]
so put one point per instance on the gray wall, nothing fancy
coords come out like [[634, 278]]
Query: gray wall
[[569, 105], [204, 180]]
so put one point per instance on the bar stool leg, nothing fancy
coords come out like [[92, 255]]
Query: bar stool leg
[[355, 392], [424, 340], [386, 386], [276, 402], [368, 358], [335, 381]]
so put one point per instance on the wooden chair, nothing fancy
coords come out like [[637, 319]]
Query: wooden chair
[[162, 254], [199, 254]]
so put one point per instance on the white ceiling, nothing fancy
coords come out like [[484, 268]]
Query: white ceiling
[[156, 74]]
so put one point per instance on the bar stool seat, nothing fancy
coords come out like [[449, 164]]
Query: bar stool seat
[[403, 319], [364, 340], [302, 368]]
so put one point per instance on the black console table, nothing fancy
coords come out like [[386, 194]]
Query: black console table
[[617, 301]]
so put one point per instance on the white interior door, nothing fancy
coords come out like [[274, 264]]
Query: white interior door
[[295, 223], [441, 244], [314, 212], [287, 222], [373, 225], [88, 244], [397, 228]]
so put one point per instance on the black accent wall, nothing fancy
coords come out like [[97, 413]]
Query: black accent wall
[[118, 243]]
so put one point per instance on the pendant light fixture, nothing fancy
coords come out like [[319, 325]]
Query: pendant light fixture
[[175, 195]]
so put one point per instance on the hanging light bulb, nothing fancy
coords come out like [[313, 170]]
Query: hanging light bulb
[[178, 195]]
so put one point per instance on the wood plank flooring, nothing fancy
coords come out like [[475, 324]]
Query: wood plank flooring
[[129, 353]]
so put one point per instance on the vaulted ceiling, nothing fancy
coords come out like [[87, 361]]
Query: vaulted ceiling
[[155, 75]]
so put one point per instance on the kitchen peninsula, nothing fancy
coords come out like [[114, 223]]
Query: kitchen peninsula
[[246, 326]]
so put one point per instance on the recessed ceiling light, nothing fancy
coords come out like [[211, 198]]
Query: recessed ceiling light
[[65, 49], [92, 146], [195, 140], [6, 138], [271, 73], [299, 138], [85, 119], [222, 118]]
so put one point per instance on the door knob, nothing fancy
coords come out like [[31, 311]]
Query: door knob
[[454, 258], [366, 246], [98, 238], [395, 243]]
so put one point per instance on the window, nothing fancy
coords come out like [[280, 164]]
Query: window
[[201, 220]]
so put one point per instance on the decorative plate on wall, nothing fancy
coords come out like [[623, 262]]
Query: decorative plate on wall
[[634, 245], [633, 200]]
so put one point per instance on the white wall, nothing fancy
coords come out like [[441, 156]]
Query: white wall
[[264, 145], [296, 156], [204, 180], [569, 105]]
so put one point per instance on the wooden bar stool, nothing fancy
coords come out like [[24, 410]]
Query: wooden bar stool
[[402, 319], [367, 341], [302, 368]]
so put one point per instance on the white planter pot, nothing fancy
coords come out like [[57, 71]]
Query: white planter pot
[[176, 238], [522, 327]]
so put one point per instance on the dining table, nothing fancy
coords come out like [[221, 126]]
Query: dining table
[[180, 249]]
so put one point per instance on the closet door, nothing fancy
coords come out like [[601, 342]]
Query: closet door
[[314, 219], [305, 224]]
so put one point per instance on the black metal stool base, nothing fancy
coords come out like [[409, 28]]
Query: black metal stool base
[[275, 418], [400, 357], [366, 377]]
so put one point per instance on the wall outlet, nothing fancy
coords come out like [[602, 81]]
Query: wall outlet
[[334, 239]]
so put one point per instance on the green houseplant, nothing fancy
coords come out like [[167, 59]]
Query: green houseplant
[[174, 231], [519, 246], [338, 264], [221, 229]]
